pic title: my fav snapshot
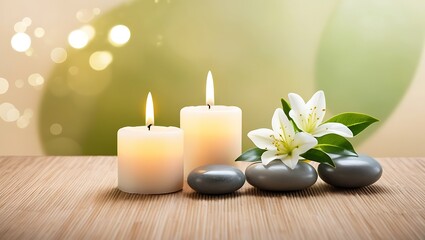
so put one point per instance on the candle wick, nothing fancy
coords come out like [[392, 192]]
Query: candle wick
[[149, 126], [209, 106]]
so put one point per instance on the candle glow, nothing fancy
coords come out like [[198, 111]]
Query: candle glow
[[149, 117], [210, 90]]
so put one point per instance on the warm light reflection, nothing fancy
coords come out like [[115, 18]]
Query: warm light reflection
[[89, 31], [21, 42], [210, 89], [55, 129], [28, 112], [119, 35], [4, 86], [100, 60], [29, 52], [96, 11], [35, 80], [149, 117], [20, 27], [58, 55], [73, 70], [84, 15], [27, 21], [8, 112], [39, 32], [78, 39], [24, 120], [19, 83]]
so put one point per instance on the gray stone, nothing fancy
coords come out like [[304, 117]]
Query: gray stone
[[216, 179], [276, 176], [351, 171]]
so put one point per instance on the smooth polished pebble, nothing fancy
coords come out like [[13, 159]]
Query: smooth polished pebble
[[216, 179], [276, 176], [351, 171]]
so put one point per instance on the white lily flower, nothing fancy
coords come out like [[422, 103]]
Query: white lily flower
[[282, 142], [309, 116]]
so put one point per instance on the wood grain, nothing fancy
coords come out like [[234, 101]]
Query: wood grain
[[77, 198]]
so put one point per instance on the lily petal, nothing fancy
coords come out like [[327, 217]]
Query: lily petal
[[317, 106], [331, 127], [303, 142], [297, 102], [281, 124], [291, 160], [269, 156], [298, 112], [262, 138]]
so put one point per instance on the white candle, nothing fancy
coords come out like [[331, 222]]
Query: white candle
[[212, 134], [150, 158]]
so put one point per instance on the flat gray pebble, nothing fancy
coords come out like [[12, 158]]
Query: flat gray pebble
[[276, 176], [351, 171], [216, 179]]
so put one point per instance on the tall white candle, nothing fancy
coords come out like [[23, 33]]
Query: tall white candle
[[212, 134], [150, 158]]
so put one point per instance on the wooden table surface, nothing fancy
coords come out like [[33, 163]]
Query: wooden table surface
[[76, 197]]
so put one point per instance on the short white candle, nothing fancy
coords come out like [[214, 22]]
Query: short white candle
[[150, 158], [212, 134]]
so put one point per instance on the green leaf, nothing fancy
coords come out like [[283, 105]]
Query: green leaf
[[356, 122], [286, 107], [252, 155], [336, 150], [319, 156], [332, 143]]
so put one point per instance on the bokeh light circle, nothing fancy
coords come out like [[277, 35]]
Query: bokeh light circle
[[8, 112], [56, 129], [35, 79], [21, 42], [119, 35], [78, 39], [100, 60], [20, 27], [39, 32], [4, 86], [19, 83], [58, 55]]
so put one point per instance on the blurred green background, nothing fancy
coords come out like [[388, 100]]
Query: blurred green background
[[363, 54]]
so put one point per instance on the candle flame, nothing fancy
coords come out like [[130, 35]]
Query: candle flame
[[210, 90], [149, 110]]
